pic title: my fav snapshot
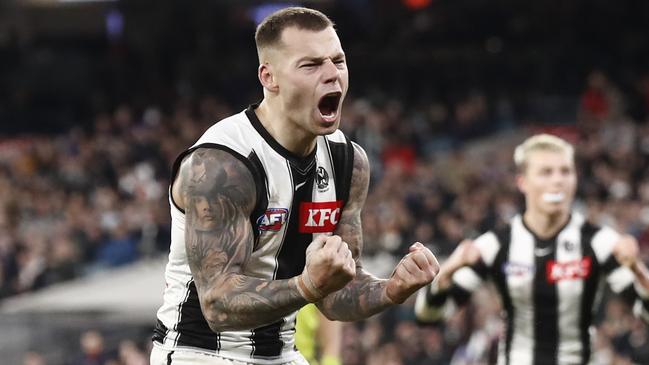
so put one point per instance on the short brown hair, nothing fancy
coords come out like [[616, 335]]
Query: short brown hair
[[269, 31]]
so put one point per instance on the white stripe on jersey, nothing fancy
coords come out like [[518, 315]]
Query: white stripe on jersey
[[467, 279], [569, 250], [520, 266], [603, 243], [489, 246], [268, 246]]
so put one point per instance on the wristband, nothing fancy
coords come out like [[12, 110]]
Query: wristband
[[307, 289]]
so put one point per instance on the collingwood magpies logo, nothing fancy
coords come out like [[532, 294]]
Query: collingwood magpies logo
[[569, 246], [321, 178]]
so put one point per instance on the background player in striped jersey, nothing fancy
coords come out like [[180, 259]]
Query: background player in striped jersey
[[546, 265], [266, 211]]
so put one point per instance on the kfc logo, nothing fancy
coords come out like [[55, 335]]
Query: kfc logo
[[571, 270], [319, 217], [272, 219]]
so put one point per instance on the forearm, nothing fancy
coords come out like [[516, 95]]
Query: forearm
[[242, 302], [641, 275], [361, 298], [641, 286]]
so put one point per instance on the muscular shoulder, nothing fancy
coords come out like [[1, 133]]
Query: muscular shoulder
[[214, 173]]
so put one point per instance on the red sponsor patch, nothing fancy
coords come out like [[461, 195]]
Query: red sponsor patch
[[571, 270], [319, 217]]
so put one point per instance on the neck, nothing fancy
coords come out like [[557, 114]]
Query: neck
[[545, 225], [288, 134]]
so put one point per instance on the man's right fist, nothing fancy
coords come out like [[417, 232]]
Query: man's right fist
[[329, 267]]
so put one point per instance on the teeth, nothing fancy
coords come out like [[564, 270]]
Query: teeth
[[553, 197]]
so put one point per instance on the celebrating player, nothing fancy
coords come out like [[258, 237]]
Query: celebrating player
[[266, 213]]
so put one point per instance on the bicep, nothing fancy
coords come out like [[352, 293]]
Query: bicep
[[350, 227], [218, 192]]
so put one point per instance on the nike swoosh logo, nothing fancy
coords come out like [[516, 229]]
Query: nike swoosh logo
[[543, 251], [299, 185]]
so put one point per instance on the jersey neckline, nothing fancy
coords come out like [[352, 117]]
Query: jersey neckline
[[303, 162], [550, 241]]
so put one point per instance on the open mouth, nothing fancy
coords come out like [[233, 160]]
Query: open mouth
[[328, 105]]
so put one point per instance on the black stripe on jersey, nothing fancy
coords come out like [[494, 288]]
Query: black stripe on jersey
[[238, 156], [160, 332], [301, 161], [266, 340], [290, 258], [438, 298], [261, 182], [193, 328], [481, 269], [342, 155], [503, 236], [460, 295], [545, 300], [610, 264], [589, 291], [169, 357], [180, 309]]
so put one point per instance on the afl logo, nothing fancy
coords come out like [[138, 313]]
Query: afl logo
[[322, 178]]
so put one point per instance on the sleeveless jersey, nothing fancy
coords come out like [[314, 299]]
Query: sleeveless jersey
[[549, 289], [297, 199]]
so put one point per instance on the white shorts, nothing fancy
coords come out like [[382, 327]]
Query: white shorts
[[160, 356]]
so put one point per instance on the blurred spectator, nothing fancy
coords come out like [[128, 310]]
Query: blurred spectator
[[92, 349], [33, 358]]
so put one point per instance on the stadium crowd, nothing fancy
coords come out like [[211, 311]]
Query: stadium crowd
[[92, 195], [87, 200]]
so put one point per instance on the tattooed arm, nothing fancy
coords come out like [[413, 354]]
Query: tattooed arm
[[367, 295], [218, 194]]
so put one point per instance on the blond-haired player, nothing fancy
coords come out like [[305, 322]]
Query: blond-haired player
[[546, 265]]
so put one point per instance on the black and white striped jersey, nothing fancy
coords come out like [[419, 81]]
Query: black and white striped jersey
[[548, 288], [297, 199]]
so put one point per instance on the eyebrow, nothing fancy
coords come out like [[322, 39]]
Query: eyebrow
[[320, 59]]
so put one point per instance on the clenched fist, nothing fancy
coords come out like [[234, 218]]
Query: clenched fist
[[418, 268], [329, 267]]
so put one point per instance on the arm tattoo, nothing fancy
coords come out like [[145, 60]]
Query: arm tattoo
[[363, 296], [218, 191]]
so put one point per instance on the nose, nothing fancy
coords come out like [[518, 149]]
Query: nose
[[558, 178], [330, 72]]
